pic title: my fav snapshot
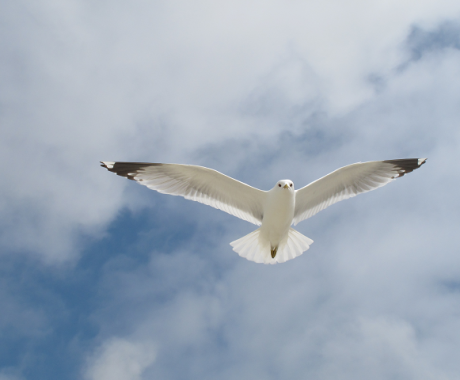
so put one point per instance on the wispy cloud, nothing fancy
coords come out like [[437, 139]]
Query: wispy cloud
[[119, 359], [120, 282]]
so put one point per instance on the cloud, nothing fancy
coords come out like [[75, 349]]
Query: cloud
[[120, 359], [369, 345], [369, 296], [421, 41], [259, 91], [81, 82]]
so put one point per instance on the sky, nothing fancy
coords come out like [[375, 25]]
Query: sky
[[101, 278]]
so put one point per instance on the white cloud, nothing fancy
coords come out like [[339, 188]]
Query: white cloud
[[121, 359], [82, 82], [380, 348], [377, 293], [264, 90]]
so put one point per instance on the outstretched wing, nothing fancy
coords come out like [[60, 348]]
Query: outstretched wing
[[197, 183], [347, 182]]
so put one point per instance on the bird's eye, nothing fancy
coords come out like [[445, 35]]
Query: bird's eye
[[279, 185], [290, 185]]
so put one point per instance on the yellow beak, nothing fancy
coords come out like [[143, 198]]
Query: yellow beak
[[286, 186]]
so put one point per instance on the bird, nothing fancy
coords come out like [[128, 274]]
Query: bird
[[275, 210]]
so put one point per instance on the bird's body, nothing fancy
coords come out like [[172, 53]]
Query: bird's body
[[275, 210], [278, 213]]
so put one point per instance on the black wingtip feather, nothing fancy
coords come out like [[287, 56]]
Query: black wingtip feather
[[127, 169], [406, 165]]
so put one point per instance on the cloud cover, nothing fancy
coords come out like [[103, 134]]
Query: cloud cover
[[114, 280]]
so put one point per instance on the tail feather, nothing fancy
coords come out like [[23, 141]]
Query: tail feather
[[249, 247], [254, 248]]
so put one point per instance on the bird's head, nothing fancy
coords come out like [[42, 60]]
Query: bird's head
[[285, 184]]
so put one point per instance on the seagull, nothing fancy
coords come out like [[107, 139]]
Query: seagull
[[276, 210]]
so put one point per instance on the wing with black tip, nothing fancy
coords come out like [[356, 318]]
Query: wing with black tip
[[349, 181], [196, 183]]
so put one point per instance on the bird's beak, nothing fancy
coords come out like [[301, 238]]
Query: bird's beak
[[286, 186]]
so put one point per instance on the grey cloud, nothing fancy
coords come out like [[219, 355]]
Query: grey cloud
[[83, 82], [120, 359], [369, 297], [422, 41], [286, 94]]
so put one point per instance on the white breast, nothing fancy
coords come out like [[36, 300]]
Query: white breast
[[278, 215]]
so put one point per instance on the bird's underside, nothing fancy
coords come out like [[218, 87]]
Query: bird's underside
[[274, 210]]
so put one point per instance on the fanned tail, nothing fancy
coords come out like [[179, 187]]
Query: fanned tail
[[255, 248], [252, 247], [293, 246]]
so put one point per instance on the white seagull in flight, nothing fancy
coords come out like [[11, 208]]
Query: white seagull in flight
[[274, 210]]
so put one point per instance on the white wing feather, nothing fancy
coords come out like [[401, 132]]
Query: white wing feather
[[347, 182], [197, 183]]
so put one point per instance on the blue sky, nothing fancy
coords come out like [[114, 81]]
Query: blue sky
[[101, 278]]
